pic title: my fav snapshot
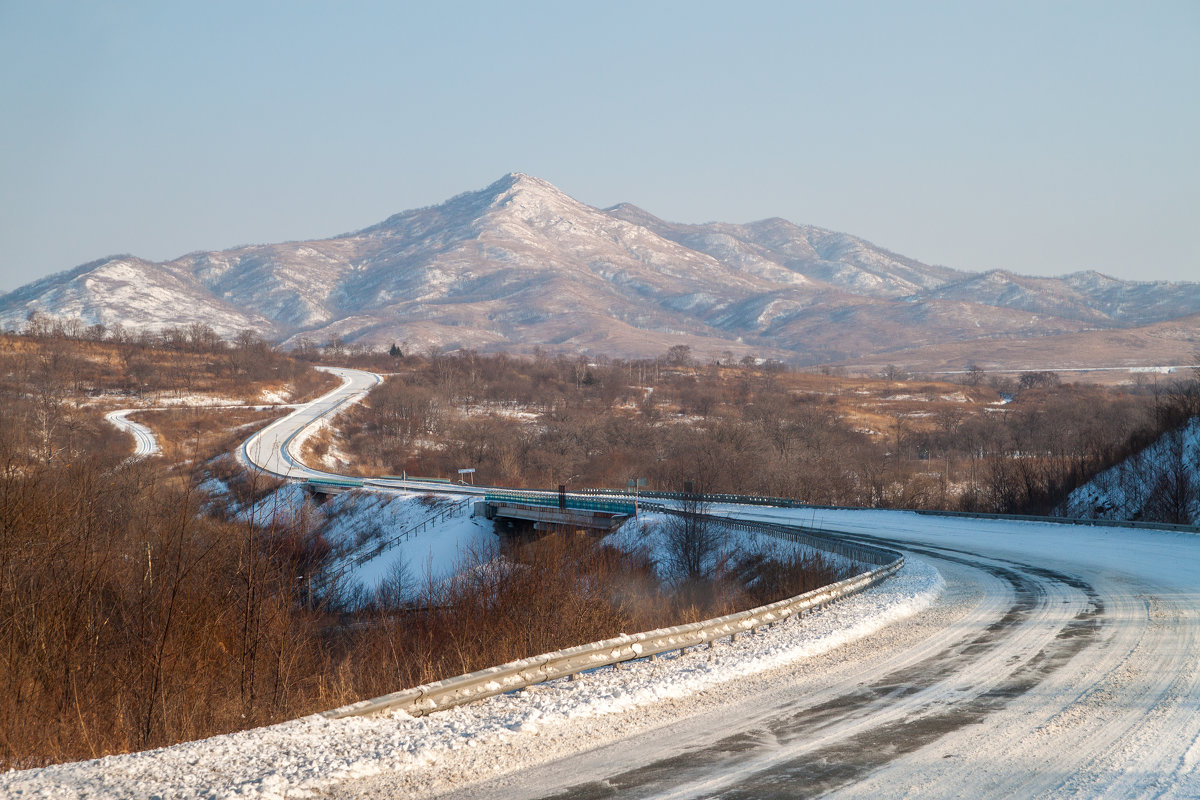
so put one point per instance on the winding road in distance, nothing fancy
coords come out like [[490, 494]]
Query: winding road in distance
[[270, 449], [144, 442], [1063, 661]]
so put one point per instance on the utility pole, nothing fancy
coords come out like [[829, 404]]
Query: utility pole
[[636, 484]]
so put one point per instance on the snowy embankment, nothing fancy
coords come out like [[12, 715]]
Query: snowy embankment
[[379, 535], [310, 756], [1160, 484]]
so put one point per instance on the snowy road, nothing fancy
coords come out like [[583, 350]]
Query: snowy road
[[1062, 662], [144, 443], [273, 448]]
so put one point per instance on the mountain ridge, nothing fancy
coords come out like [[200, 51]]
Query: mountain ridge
[[520, 264]]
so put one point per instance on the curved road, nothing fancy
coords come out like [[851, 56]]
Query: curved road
[[271, 449], [1062, 662], [274, 449], [144, 443]]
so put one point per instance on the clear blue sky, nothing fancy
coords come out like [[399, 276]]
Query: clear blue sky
[[1040, 137]]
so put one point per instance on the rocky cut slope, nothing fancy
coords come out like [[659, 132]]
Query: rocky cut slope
[[520, 265]]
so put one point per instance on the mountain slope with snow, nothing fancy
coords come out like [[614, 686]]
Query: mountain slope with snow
[[520, 264]]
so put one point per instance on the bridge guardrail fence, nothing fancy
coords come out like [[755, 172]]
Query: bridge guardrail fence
[[576, 501]]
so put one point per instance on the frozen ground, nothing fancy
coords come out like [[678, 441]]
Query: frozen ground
[[424, 554], [378, 533]]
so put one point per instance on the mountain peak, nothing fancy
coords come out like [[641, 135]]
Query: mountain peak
[[522, 182], [531, 197]]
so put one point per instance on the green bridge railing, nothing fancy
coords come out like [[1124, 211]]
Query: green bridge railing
[[551, 500]]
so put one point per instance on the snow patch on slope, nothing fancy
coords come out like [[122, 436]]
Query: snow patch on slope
[[1161, 483]]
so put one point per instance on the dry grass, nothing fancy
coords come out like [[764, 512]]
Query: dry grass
[[196, 435], [553, 592]]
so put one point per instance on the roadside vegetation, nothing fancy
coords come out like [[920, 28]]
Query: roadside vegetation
[[131, 618], [985, 443]]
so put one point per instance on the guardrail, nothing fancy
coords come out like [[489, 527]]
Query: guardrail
[[407, 477], [342, 483], [518, 674]]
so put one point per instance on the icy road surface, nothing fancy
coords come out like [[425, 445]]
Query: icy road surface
[[273, 448], [144, 442], [1060, 662]]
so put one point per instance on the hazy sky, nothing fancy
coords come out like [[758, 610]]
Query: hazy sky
[[1040, 137]]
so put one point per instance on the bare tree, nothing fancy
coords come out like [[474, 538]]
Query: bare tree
[[679, 355], [694, 543]]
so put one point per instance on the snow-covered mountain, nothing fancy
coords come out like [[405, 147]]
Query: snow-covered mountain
[[520, 264]]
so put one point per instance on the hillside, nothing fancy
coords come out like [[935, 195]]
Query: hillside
[[1159, 484]]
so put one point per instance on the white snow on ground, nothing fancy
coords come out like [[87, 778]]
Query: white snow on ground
[[1168, 471], [334, 460], [647, 535], [276, 396], [310, 756], [190, 400], [429, 556], [356, 521]]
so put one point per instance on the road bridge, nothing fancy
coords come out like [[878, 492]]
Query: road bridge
[[550, 510]]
